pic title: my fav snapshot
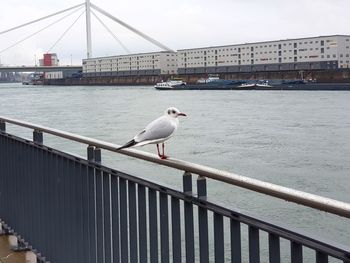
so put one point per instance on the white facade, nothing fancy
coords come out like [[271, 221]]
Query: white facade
[[323, 52], [165, 62], [53, 75], [323, 48]]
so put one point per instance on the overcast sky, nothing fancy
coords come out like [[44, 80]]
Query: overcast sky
[[175, 23]]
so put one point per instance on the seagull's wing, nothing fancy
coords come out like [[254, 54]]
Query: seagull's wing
[[160, 128]]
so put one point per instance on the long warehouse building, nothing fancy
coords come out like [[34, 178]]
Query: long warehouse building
[[314, 53], [144, 64]]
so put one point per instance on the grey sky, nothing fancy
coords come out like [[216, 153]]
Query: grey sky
[[177, 24]]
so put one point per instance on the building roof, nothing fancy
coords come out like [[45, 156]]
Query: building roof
[[263, 42]]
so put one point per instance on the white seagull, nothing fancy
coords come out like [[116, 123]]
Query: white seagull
[[158, 131]]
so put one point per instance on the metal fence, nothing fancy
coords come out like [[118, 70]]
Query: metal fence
[[68, 209]]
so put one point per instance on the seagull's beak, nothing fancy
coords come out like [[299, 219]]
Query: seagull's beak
[[181, 114]]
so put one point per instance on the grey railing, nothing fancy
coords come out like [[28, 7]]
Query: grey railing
[[76, 210]]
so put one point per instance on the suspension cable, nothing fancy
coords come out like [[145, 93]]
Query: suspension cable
[[65, 32], [39, 19], [110, 31], [143, 35], [42, 29]]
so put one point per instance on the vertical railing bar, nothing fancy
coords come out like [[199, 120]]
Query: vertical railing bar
[[115, 219], [80, 219], [43, 199], [56, 196], [164, 227], [2, 166], [254, 248], [99, 208], [72, 203], [153, 225], [176, 229], [296, 252], [188, 211], [124, 254], [107, 217], [142, 223], [203, 221], [92, 206], [236, 254], [219, 238], [132, 222], [274, 248], [321, 257], [84, 218], [62, 209]]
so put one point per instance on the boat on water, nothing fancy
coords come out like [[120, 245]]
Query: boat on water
[[221, 84], [208, 80], [170, 84]]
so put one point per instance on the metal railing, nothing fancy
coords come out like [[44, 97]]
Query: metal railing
[[76, 210]]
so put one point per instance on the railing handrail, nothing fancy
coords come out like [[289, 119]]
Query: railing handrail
[[318, 202]]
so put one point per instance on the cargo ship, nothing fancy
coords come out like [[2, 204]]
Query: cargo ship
[[219, 84]]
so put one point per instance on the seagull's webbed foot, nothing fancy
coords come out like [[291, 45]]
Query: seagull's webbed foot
[[163, 157]]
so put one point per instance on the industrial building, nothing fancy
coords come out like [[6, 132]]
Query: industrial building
[[314, 53], [324, 52], [155, 63]]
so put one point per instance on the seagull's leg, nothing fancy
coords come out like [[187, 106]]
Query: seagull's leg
[[158, 151], [163, 156]]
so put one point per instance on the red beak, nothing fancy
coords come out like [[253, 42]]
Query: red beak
[[181, 114]]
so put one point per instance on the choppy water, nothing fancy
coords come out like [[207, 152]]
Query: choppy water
[[297, 139]]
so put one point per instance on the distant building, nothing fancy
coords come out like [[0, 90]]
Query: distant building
[[155, 63], [49, 59], [324, 52]]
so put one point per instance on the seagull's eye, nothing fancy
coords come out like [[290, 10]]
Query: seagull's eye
[[173, 112]]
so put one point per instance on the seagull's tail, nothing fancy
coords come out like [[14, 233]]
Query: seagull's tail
[[128, 144]]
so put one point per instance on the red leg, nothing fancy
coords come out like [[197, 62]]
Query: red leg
[[163, 156], [158, 151]]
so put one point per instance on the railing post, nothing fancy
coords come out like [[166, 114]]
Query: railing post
[[38, 137], [203, 221], [188, 207], [97, 155], [91, 153], [2, 126]]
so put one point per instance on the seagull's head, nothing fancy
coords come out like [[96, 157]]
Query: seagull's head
[[173, 112]]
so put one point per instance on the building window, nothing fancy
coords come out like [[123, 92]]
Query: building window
[[280, 60], [295, 45], [322, 42], [295, 59], [279, 46], [295, 52]]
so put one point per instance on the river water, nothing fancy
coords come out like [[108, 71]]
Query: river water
[[297, 139]]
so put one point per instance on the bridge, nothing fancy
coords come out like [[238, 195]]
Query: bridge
[[89, 9], [40, 68], [66, 208]]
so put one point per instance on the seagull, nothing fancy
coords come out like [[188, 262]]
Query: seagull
[[158, 131]]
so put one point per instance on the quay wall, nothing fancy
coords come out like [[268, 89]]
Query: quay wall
[[321, 76]]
